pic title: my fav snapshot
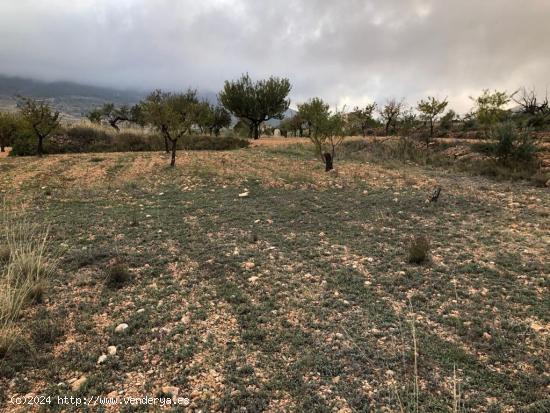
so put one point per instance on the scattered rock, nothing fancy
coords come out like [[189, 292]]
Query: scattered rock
[[141, 310], [79, 383], [121, 328], [253, 279], [487, 336], [185, 319], [248, 265], [244, 194], [102, 359], [111, 350]]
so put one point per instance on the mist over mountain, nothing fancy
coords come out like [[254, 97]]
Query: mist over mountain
[[71, 98], [75, 100]]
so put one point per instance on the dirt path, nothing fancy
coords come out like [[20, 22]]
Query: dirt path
[[4, 154]]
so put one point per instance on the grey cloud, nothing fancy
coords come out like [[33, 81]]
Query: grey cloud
[[348, 52]]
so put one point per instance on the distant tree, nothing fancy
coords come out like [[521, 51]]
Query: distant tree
[[489, 109], [213, 118], [326, 129], [172, 114], [390, 113], [137, 116], [40, 118], [430, 109], [9, 123], [111, 114], [362, 118], [296, 125], [256, 102]]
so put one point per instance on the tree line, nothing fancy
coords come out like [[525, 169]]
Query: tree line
[[253, 103]]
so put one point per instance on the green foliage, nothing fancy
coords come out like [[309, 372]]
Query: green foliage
[[173, 115], [41, 119], [430, 110], [326, 129], [9, 124], [211, 118], [513, 144], [23, 143], [315, 113], [489, 109], [256, 102]]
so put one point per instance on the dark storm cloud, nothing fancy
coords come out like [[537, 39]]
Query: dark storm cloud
[[348, 52]]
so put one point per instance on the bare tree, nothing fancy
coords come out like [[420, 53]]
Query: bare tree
[[528, 101]]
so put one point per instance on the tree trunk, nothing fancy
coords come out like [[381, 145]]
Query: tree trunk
[[166, 146], [174, 145], [2, 148], [328, 161], [256, 131], [114, 125], [387, 127], [40, 149]]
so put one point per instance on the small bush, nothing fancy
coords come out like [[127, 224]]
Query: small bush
[[117, 274], [513, 144], [24, 144], [419, 249], [45, 332]]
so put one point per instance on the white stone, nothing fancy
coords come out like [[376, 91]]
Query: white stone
[[102, 359], [121, 328], [111, 350]]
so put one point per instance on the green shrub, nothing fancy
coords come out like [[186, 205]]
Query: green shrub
[[513, 144], [24, 143]]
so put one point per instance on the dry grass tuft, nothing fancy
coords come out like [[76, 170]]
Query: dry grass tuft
[[117, 274], [419, 249], [23, 278]]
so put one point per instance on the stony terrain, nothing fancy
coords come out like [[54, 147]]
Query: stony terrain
[[260, 283]]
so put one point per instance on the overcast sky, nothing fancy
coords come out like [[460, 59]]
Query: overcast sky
[[347, 52]]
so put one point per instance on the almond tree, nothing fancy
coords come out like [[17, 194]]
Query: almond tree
[[430, 110], [325, 129], [172, 114], [256, 102], [40, 118]]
